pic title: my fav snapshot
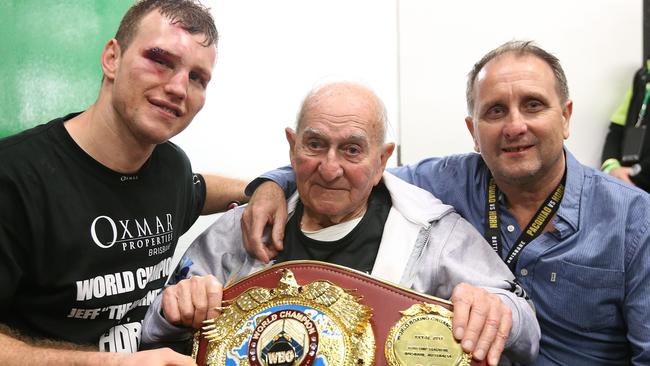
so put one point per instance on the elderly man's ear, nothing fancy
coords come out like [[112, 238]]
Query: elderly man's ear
[[387, 152], [291, 139]]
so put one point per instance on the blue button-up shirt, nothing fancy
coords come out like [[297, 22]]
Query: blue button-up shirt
[[589, 278]]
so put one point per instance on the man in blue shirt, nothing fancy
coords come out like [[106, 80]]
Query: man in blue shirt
[[576, 239]]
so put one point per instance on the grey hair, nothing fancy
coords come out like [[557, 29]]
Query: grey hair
[[520, 48], [313, 96]]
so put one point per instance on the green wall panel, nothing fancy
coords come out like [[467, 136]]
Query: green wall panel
[[50, 57]]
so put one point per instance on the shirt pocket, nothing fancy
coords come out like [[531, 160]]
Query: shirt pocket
[[579, 297]]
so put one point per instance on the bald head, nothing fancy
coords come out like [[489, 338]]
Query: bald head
[[345, 99], [337, 152]]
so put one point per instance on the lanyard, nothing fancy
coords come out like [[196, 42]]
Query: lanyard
[[644, 105], [534, 228], [646, 96]]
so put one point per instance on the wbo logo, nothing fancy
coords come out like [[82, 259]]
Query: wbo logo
[[284, 338]]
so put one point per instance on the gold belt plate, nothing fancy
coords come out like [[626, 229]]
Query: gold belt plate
[[317, 323]]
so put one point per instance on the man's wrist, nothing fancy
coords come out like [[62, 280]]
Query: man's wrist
[[635, 170], [609, 165], [252, 186]]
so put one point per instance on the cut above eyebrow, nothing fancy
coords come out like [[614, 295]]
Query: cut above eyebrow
[[157, 51], [167, 55]]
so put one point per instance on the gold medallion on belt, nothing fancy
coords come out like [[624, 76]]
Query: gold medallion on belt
[[423, 336]]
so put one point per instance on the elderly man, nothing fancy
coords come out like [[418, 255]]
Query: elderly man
[[92, 204], [349, 212], [576, 239]]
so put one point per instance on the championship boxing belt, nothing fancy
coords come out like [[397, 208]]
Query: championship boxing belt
[[313, 313]]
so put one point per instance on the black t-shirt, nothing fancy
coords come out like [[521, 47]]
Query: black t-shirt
[[358, 249], [83, 249]]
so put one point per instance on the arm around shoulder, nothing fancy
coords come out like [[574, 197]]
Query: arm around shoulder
[[220, 191], [283, 177]]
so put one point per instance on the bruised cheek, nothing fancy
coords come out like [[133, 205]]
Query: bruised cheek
[[146, 66], [146, 72]]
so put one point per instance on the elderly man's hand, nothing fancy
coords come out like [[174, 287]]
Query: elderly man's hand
[[481, 322], [191, 301], [267, 206]]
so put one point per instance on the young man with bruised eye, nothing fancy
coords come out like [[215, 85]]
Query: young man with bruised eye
[[92, 204]]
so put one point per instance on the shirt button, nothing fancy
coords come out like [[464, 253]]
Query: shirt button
[[524, 272], [511, 228]]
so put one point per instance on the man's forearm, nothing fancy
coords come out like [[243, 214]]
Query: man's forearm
[[283, 176], [15, 352], [20, 352], [220, 191]]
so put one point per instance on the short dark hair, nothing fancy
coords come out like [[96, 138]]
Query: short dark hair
[[519, 48], [191, 15]]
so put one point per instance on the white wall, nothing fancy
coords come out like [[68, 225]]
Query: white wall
[[271, 53], [414, 53], [599, 43]]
